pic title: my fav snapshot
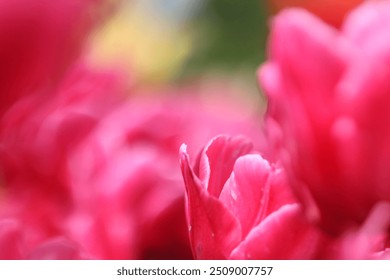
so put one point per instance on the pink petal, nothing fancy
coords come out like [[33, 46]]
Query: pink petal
[[213, 230], [308, 40], [217, 161], [246, 193], [280, 191], [368, 26], [282, 235], [370, 241]]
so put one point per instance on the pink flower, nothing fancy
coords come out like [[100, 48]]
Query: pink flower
[[240, 207], [328, 114]]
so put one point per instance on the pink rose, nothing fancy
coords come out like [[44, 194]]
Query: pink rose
[[328, 113], [240, 207]]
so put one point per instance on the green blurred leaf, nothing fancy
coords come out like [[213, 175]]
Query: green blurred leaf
[[230, 36]]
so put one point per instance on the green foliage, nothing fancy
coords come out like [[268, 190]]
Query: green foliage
[[230, 36]]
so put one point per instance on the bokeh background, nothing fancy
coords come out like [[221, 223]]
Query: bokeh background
[[173, 41]]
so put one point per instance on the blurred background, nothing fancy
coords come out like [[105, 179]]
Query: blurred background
[[171, 41]]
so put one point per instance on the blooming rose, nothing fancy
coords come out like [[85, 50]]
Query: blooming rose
[[240, 207], [328, 114]]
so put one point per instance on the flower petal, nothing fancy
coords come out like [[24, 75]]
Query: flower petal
[[368, 26], [282, 235], [246, 192], [280, 192], [308, 40], [217, 160], [213, 230]]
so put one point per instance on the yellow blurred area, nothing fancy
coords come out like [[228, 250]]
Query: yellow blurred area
[[151, 48]]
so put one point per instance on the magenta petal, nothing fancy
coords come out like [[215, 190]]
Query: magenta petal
[[282, 235], [280, 191], [367, 27], [213, 230], [246, 192], [308, 40], [217, 160]]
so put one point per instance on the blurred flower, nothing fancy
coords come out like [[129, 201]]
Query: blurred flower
[[328, 114], [331, 11], [13, 245], [240, 207], [371, 240], [36, 139], [38, 41]]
